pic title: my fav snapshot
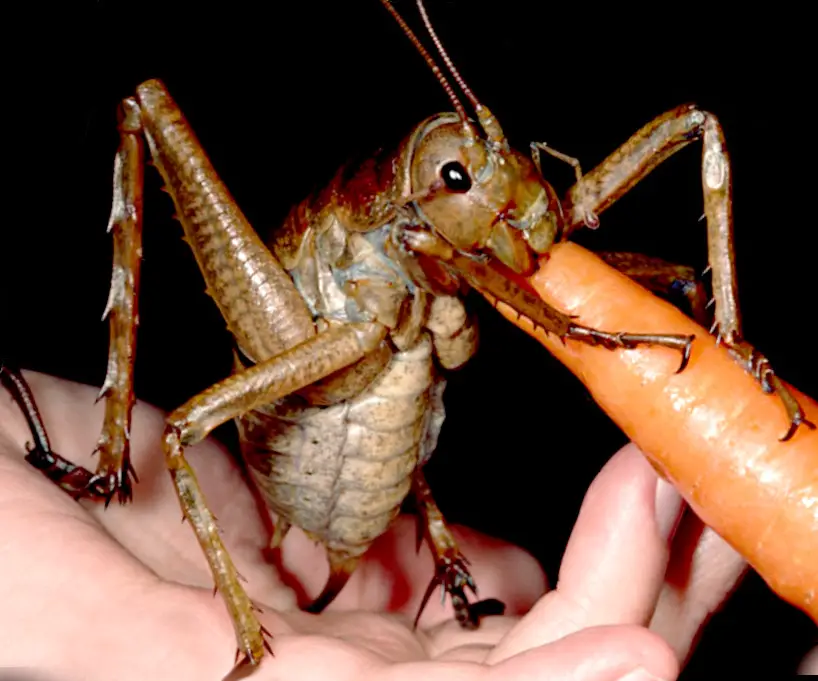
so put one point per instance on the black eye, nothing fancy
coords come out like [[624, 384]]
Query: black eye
[[456, 177]]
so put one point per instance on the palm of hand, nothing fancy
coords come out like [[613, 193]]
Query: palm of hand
[[125, 593]]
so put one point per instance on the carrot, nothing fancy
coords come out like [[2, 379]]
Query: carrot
[[709, 430]]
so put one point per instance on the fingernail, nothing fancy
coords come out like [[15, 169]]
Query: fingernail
[[640, 674], [669, 506]]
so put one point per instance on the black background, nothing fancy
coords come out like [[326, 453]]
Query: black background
[[281, 94]]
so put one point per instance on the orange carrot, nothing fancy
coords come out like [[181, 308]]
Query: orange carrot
[[710, 429]]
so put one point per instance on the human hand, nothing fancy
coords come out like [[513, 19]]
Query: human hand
[[125, 593]]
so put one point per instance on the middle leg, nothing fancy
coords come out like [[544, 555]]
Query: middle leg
[[665, 279]]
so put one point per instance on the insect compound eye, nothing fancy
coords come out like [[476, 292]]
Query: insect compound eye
[[456, 177]]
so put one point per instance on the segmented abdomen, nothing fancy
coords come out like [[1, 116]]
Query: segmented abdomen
[[341, 472]]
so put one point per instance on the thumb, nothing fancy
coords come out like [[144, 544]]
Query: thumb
[[605, 653]]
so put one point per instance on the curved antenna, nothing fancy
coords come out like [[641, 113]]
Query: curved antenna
[[458, 106], [445, 56], [487, 120]]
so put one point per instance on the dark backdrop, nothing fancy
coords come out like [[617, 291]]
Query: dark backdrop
[[282, 94]]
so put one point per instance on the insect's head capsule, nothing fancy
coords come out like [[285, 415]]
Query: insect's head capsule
[[480, 196]]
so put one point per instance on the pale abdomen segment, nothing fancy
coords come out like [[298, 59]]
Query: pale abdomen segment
[[341, 472]]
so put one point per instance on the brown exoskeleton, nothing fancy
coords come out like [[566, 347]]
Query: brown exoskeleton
[[341, 327]]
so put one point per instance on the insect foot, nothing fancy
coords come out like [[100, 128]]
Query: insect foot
[[115, 482], [115, 474], [758, 366], [248, 657], [627, 341], [453, 576], [74, 480]]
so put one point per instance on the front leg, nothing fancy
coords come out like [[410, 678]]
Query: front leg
[[504, 288], [451, 571], [314, 359], [651, 145]]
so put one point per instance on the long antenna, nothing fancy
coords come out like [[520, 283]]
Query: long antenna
[[458, 106], [487, 120], [445, 56]]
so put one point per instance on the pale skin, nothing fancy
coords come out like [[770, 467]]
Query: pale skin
[[86, 591]]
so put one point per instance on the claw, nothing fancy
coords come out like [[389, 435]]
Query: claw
[[686, 354], [452, 575], [790, 431], [242, 667], [248, 656], [114, 483], [758, 366], [265, 639], [796, 421], [426, 596]]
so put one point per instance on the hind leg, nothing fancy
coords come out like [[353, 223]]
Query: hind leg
[[451, 571]]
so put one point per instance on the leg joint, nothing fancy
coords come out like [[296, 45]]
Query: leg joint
[[130, 116]]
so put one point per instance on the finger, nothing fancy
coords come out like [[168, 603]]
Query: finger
[[809, 665], [626, 653], [704, 570], [615, 561]]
